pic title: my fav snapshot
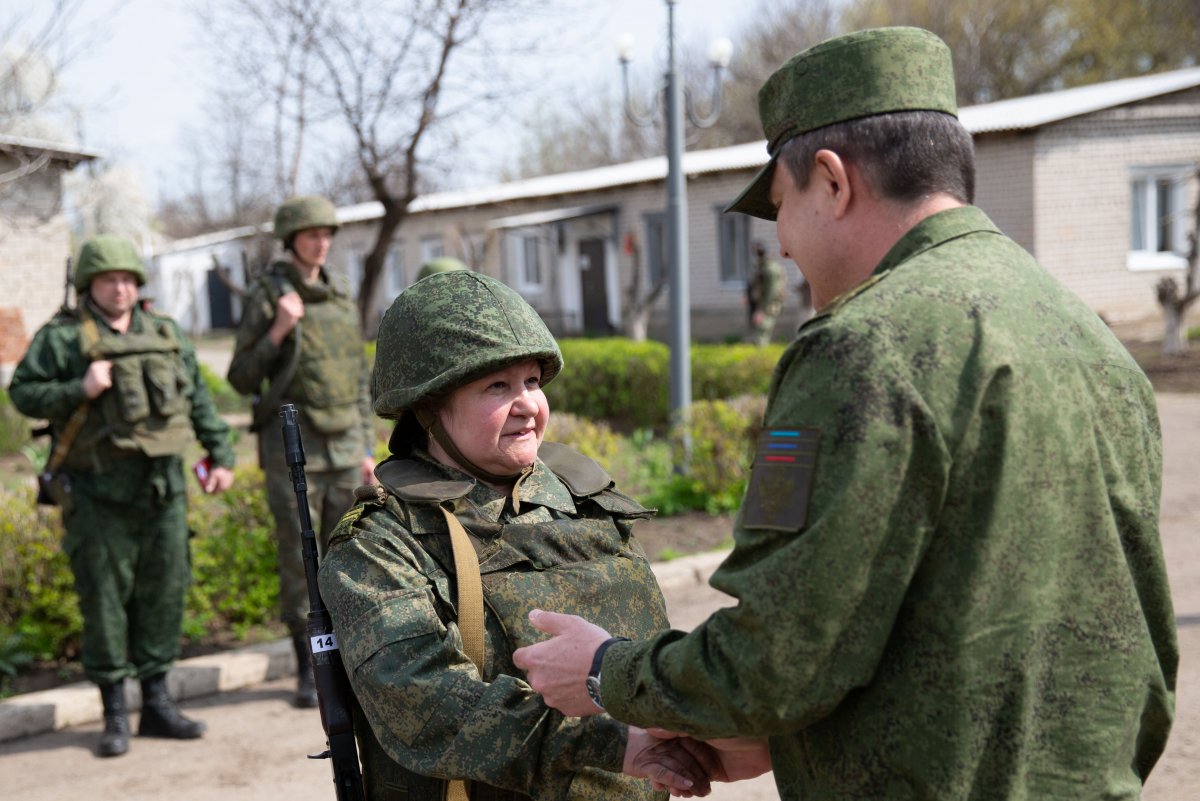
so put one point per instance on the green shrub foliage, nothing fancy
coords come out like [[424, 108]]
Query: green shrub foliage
[[628, 383], [14, 426]]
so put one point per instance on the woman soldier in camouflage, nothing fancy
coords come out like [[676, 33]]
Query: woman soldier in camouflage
[[471, 496]]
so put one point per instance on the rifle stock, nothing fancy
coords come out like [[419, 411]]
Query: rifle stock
[[333, 688]]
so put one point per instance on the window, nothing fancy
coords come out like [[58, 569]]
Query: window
[[525, 259], [1158, 218], [394, 266], [654, 259], [432, 248], [735, 246]]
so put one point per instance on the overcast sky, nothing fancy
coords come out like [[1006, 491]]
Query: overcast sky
[[142, 81]]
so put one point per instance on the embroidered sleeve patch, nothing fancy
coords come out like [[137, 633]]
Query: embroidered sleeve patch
[[781, 479]]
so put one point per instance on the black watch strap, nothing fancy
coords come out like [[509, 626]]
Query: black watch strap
[[593, 677]]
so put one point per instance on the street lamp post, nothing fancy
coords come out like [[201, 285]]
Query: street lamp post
[[677, 104]]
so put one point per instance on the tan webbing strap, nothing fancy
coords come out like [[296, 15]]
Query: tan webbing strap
[[470, 612], [89, 335], [70, 431]]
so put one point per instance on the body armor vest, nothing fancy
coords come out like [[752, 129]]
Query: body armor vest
[[326, 383], [585, 566], [148, 409]]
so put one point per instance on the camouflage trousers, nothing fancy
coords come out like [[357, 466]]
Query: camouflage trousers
[[132, 570], [330, 495], [761, 334]]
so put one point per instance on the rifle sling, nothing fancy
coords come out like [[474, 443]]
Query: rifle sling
[[470, 613]]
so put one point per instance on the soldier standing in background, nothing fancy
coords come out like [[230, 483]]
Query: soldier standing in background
[[122, 486], [764, 295], [299, 342], [947, 563]]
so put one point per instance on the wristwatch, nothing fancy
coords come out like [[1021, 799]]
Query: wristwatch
[[593, 678]]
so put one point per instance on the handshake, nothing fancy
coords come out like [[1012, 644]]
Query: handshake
[[687, 767], [558, 668]]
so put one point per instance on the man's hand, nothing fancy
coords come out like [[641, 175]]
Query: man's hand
[[557, 668], [681, 765], [219, 480], [732, 758], [288, 311], [97, 379]]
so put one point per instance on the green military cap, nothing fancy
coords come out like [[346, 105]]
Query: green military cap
[[299, 213], [107, 253], [857, 75]]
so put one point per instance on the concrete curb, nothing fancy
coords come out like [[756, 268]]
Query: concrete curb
[[73, 704]]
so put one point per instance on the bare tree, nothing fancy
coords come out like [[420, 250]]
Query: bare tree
[[1174, 303], [379, 80], [638, 304]]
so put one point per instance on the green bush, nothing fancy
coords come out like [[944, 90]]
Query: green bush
[[223, 394], [234, 584], [37, 592], [723, 435], [628, 383], [613, 379], [14, 426]]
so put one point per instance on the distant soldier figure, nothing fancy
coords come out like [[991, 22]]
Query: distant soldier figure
[[299, 342], [764, 295], [442, 264], [131, 377]]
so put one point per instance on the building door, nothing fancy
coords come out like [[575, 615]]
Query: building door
[[220, 302], [593, 284]]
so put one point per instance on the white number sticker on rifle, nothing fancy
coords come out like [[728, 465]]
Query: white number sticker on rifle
[[325, 642]]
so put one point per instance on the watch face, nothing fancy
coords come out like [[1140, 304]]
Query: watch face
[[593, 690]]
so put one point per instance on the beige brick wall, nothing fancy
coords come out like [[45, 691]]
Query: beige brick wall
[[1083, 172], [34, 244]]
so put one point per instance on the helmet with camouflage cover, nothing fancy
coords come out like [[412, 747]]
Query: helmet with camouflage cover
[[449, 330], [299, 213], [107, 253], [442, 264]]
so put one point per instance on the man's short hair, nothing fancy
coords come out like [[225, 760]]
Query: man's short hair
[[904, 155]]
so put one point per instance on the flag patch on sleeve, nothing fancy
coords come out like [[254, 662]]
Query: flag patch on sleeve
[[781, 479]]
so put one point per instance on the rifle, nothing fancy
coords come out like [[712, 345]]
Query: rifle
[[333, 688], [66, 306]]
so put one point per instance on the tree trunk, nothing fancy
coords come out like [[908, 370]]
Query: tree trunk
[[1174, 331]]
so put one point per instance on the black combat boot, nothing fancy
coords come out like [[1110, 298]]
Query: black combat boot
[[160, 716], [306, 684], [115, 740]]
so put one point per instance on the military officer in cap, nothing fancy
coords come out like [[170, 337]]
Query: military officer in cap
[[123, 393], [299, 342], [947, 563]]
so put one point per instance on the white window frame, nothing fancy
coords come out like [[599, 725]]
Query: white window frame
[[432, 248], [656, 259], [733, 248], [397, 279], [1149, 189], [528, 259]]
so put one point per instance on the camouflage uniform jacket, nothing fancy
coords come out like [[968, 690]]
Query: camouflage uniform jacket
[[965, 597], [330, 385], [764, 290], [48, 383], [389, 583]]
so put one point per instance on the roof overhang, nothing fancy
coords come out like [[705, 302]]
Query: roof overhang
[[55, 151], [551, 216]]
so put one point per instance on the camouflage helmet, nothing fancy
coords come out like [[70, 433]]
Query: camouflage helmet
[[299, 213], [107, 253], [441, 264], [449, 330]]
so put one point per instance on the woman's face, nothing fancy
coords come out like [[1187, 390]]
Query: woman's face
[[497, 421]]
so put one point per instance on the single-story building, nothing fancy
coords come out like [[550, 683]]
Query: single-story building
[[1098, 182], [35, 238]]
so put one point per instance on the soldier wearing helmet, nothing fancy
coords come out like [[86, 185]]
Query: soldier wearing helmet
[[299, 342], [123, 394], [472, 497]]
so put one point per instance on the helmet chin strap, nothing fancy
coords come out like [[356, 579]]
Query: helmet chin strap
[[433, 426]]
